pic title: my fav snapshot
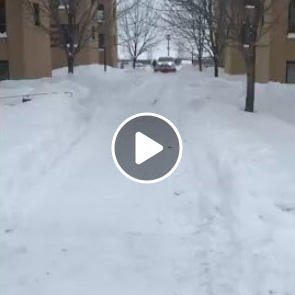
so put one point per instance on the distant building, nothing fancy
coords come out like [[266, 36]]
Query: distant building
[[26, 51], [275, 62]]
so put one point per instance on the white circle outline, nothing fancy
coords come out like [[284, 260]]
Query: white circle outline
[[179, 154]]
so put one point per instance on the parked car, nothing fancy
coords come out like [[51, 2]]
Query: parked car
[[165, 65]]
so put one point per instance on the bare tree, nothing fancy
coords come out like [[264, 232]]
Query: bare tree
[[203, 22], [185, 49], [215, 14], [188, 25], [248, 21], [235, 23], [138, 28], [70, 24]]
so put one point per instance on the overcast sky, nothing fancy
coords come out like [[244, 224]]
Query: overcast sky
[[160, 50]]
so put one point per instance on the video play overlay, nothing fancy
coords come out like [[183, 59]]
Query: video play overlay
[[147, 148]]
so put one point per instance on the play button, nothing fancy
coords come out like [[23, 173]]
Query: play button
[[147, 148]]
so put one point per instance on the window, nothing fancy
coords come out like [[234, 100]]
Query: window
[[101, 41], [291, 19], [93, 33], [66, 37], [4, 70], [2, 17], [100, 13], [36, 10], [290, 72]]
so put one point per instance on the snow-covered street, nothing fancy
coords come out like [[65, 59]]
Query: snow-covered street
[[72, 224]]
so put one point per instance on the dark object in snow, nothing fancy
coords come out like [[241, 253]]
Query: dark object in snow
[[26, 100]]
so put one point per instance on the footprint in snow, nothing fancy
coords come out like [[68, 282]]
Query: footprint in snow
[[9, 231]]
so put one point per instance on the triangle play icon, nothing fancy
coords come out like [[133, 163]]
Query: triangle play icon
[[145, 148]]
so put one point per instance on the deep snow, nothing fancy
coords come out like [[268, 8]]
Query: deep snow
[[222, 224]]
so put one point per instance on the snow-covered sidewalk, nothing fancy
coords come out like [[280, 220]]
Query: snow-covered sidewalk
[[222, 224]]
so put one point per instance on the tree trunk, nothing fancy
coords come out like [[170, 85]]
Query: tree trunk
[[216, 70], [200, 61], [134, 63], [251, 81], [70, 61], [71, 38]]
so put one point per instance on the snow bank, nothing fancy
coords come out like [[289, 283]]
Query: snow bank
[[246, 175], [223, 224], [90, 70], [3, 35]]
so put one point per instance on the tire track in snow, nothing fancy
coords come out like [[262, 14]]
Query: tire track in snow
[[171, 102]]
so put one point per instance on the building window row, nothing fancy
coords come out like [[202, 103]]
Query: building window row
[[100, 13], [291, 18], [2, 17], [4, 70], [36, 14], [101, 41]]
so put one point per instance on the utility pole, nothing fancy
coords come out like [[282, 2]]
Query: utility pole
[[168, 40], [249, 35]]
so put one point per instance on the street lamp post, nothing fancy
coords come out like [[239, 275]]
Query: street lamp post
[[104, 56], [168, 40], [249, 35]]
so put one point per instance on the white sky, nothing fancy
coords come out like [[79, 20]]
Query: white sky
[[160, 50]]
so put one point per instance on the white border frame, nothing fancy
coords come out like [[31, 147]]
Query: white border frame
[[179, 154]]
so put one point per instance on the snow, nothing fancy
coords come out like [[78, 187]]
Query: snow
[[71, 223], [291, 36], [3, 35]]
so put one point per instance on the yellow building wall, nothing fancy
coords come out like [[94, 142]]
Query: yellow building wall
[[234, 62], [282, 49], [28, 46], [273, 51], [91, 53], [3, 49]]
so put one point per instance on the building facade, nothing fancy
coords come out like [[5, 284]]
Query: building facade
[[28, 51], [275, 57]]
